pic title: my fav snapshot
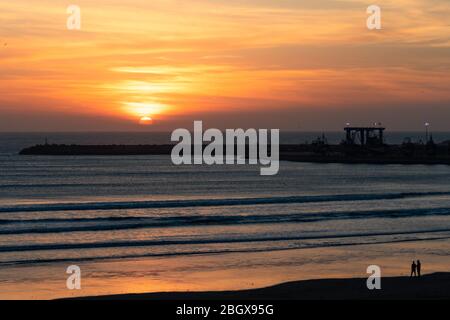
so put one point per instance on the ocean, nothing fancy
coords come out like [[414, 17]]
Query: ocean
[[141, 224]]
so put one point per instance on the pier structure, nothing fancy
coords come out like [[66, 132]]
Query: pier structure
[[364, 136]]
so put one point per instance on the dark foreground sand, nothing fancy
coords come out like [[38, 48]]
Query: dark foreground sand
[[432, 286]]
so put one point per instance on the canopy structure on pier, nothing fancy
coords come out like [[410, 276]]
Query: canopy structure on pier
[[364, 135]]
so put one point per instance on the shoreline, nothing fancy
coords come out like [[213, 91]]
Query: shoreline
[[429, 286]]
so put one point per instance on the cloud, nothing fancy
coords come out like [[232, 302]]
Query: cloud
[[215, 57]]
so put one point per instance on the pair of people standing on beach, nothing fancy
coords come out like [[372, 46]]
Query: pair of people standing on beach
[[415, 268]]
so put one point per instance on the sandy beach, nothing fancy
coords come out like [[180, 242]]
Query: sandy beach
[[430, 286]]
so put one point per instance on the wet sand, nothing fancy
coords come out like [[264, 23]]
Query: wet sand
[[430, 286]]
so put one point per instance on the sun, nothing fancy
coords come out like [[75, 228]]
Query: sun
[[144, 111], [146, 121]]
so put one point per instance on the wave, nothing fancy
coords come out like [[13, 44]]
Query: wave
[[211, 202], [59, 185], [218, 251], [168, 242], [132, 222]]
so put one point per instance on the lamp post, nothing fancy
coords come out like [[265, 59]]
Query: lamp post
[[426, 131]]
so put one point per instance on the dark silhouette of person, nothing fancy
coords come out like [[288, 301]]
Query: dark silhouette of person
[[419, 265], [413, 269]]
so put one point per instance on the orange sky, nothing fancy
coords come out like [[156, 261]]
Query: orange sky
[[289, 64]]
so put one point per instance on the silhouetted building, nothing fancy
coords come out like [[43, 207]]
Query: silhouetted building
[[364, 135]]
